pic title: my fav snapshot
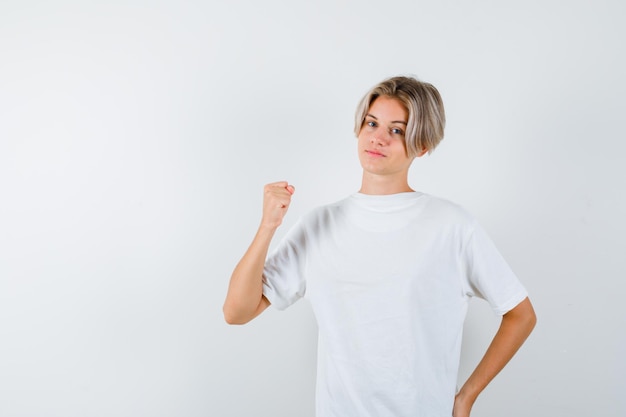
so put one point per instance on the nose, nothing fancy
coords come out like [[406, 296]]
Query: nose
[[380, 137]]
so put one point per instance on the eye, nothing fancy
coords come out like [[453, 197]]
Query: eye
[[371, 123], [397, 131]]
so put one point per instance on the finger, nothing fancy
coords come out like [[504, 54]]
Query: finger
[[280, 184], [284, 202], [280, 198], [279, 188]]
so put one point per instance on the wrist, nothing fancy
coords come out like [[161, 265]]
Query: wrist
[[266, 232], [268, 227], [466, 396]]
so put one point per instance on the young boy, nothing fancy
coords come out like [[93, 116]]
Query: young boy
[[389, 272]]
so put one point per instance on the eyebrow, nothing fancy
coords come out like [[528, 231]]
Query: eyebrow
[[376, 118]]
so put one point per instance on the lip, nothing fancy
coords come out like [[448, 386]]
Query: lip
[[374, 153]]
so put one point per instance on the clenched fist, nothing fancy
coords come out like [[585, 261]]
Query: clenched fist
[[276, 200]]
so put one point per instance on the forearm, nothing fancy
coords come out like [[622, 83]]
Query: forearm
[[245, 290], [515, 327], [244, 300]]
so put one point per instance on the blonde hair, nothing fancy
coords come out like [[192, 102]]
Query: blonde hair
[[422, 101]]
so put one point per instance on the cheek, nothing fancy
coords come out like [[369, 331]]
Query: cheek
[[399, 147], [361, 140]]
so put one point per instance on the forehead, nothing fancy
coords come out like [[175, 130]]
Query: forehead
[[388, 108]]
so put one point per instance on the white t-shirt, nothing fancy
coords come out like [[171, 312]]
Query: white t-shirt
[[389, 278]]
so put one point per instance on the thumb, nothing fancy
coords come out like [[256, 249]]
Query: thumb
[[291, 189]]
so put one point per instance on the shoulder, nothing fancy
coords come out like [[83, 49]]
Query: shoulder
[[447, 211], [324, 213]]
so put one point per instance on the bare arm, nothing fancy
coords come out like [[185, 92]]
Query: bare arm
[[515, 327], [245, 299]]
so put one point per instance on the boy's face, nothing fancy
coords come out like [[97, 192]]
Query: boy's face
[[382, 151]]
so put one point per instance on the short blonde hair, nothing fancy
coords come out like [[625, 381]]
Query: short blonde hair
[[422, 101]]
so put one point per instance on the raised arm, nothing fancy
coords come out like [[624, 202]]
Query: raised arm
[[245, 299], [515, 327]]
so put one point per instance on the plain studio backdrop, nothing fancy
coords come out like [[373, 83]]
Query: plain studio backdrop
[[136, 137]]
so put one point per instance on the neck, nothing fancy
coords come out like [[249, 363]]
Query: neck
[[384, 185]]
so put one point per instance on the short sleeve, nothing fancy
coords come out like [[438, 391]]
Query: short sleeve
[[487, 274], [283, 275]]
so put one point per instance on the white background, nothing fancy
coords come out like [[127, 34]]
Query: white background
[[135, 138]]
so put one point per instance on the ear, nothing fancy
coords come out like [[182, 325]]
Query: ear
[[421, 153]]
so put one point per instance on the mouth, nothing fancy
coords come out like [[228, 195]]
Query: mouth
[[374, 154]]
